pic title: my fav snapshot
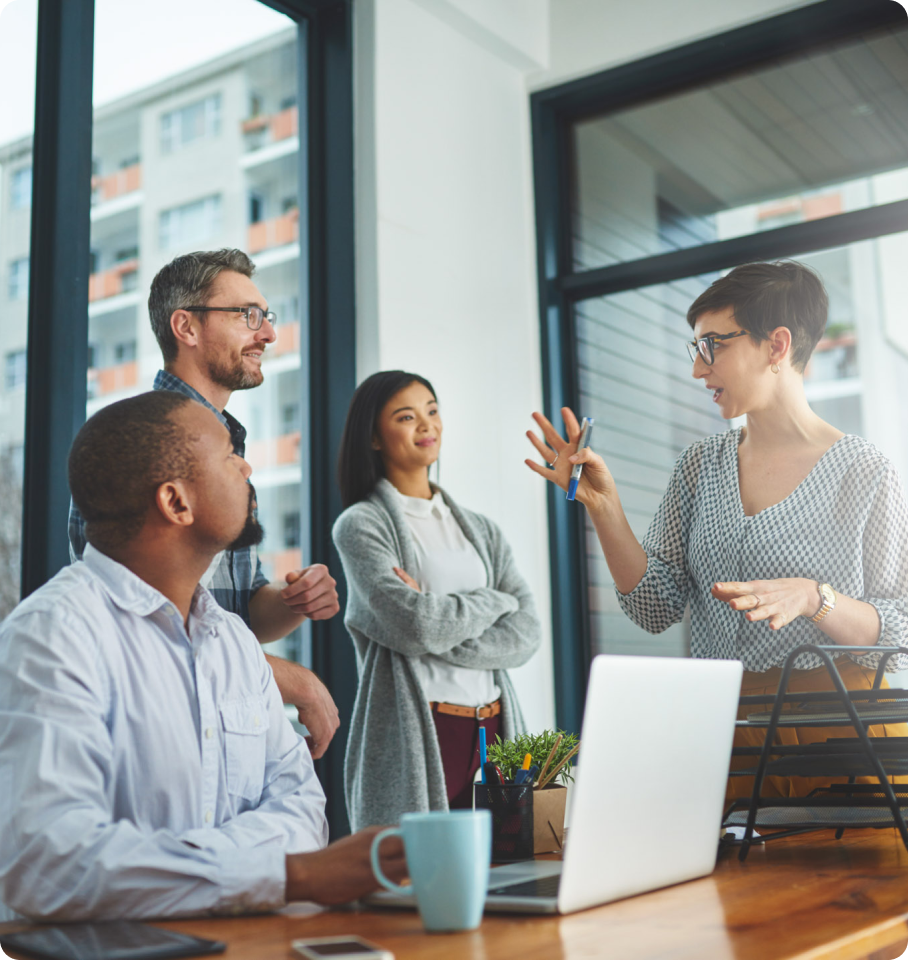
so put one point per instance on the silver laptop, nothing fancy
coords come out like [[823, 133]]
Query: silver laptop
[[649, 788]]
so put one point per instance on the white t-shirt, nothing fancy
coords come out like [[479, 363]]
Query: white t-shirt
[[446, 562]]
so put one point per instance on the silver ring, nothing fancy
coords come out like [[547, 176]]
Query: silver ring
[[552, 464]]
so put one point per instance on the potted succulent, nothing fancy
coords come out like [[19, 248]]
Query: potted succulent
[[551, 753]]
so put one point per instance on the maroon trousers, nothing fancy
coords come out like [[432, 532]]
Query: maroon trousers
[[458, 738]]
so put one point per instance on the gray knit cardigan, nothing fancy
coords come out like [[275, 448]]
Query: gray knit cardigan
[[393, 763]]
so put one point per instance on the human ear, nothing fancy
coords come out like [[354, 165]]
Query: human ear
[[779, 344], [184, 326], [376, 443], [172, 501]]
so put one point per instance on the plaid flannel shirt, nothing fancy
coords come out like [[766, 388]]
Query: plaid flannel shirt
[[235, 575]]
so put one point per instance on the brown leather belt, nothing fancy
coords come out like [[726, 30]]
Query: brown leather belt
[[474, 713]]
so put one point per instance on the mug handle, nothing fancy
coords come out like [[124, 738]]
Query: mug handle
[[376, 867]]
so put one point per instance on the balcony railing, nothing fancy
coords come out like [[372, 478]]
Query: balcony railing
[[288, 340], [276, 232], [282, 562], [274, 452], [118, 279], [270, 128], [112, 379], [124, 181]]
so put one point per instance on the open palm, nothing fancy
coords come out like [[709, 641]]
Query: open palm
[[596, 481]]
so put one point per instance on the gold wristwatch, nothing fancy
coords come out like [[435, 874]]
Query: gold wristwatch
[[828, 597]]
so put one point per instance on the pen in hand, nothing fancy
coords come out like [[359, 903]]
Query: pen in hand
[[586, 430]]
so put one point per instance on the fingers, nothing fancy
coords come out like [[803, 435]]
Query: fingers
[[771, 600], [542, 449], [554, 438], [313, 580], [542, 471], [725, 591], [570, 424], [312, 592], [406, 578]]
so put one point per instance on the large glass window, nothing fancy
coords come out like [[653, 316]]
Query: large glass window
[[649, 186], [177, 160], [801, 140], [810, 138], [18, 42]]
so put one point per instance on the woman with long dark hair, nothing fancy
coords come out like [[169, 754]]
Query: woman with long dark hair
[[435, 606]]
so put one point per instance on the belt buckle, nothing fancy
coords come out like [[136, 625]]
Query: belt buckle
[[479, 712]]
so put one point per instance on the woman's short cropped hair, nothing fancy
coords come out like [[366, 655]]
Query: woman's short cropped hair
[[360, 466], [187, 282], [769, 295]]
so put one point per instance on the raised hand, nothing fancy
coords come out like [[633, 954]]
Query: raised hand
[[561, 455]]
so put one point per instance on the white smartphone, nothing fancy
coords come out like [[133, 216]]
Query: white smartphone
[[340, 948]]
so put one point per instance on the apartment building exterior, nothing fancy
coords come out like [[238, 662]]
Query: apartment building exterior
[[202, 160]]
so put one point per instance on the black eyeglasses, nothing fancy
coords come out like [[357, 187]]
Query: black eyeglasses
[[704, 346], [255, 316]]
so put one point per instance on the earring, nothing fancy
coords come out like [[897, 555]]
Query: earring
[[774, 368]]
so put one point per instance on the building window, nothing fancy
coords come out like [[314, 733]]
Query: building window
[[291, 530], [192, 122], [21, 188], [190, 224], [18, 279], [14, 370], [125, 352]]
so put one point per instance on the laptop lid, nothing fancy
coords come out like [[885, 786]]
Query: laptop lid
[[650, 785]]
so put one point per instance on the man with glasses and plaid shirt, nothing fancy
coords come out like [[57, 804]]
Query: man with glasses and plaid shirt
[[213, 325]]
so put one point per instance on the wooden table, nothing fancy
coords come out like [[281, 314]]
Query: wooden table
[[810, 897]]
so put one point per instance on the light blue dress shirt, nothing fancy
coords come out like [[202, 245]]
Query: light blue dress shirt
[[144, 770]]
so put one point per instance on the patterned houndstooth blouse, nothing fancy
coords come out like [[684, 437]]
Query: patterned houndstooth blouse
[[846, 524]]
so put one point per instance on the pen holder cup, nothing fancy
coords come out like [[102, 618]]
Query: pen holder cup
[[511, 806]]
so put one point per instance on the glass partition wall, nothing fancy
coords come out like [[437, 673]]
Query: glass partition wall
[[199, 158], [18, 38], [784, 139], [234, 130]]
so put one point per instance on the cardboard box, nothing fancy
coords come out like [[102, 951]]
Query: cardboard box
[[548, 819]]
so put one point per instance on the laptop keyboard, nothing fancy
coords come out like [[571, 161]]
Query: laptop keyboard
[[545, 887]]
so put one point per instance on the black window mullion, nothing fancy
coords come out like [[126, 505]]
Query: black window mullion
[[58, 286], [793, 240]]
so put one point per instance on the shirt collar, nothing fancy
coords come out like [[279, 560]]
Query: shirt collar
[[168, 381], [418, 507], [130, 592]]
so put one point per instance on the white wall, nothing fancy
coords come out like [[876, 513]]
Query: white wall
[[590, 35], [446, 281], [446, 256]]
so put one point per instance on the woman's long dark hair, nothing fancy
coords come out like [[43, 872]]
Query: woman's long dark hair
[[359, 466]]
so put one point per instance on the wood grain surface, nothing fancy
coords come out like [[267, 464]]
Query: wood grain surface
[[810, 897]]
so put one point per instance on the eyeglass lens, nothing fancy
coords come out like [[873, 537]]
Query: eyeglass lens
[[703, 347]]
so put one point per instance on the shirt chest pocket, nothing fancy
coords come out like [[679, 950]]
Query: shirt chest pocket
[[245, 725]]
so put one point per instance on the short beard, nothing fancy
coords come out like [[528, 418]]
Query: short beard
[[233, 377], [252, 533]]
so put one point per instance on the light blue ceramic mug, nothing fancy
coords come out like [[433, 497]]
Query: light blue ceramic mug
[[448, 856]]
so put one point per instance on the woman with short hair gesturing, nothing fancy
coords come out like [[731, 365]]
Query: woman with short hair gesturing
[[781, 532]]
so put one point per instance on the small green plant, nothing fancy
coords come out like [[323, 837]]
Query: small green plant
[[508, 754]]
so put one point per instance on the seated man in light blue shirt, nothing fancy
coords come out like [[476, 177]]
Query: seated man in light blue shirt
[[146, 764]]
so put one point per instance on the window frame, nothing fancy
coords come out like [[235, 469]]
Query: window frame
[[57, 351], [553, 113]]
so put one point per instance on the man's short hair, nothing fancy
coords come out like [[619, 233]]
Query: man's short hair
[[769, 295], [186, 282], [119, 459]]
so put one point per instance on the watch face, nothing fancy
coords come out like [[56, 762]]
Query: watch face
[[827, 593]]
